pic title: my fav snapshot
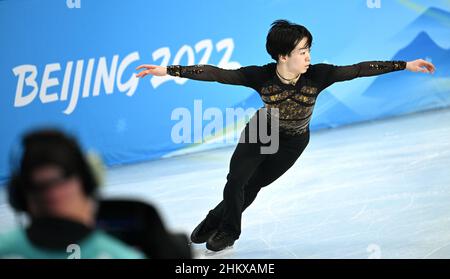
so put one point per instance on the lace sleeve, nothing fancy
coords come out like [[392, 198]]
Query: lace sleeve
[[246, 76], [331, 73]]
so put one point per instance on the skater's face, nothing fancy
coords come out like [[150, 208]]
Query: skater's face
[[299, 59]]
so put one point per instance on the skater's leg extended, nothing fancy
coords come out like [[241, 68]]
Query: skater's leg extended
[[244, 161], [271, 168]]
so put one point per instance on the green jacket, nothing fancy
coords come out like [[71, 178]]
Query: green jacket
[[97, 245]]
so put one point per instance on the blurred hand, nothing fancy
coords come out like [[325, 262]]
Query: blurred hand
[[420, 65], [151, 70]]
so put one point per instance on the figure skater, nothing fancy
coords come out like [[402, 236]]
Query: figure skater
[[291, 86]]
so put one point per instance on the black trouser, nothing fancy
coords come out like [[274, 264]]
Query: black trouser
[[249, 172]]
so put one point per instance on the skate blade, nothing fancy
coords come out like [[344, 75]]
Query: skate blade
[[226, 251]]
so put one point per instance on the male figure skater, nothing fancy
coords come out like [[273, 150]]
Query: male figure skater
[[291, 86]]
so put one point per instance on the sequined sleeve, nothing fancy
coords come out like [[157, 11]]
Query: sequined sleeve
[[332, 73], [246, 76]]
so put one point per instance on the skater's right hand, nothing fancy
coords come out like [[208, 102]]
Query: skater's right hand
[[151, 70]]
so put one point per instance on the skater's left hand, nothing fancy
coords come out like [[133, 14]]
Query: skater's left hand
[[420, 65]]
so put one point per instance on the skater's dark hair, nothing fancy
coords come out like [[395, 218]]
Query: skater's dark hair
[[283, 36]]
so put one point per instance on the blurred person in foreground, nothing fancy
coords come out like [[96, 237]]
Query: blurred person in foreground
[[54, 184]]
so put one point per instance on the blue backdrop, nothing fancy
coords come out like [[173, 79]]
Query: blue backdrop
[[71, 64]]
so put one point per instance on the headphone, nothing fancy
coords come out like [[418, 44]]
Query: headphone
[[51, 146]]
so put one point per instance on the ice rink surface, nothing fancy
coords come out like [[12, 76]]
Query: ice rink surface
[[371, 190]]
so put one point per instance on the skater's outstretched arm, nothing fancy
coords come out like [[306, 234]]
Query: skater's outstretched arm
[[246, 76], [332, 73]]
